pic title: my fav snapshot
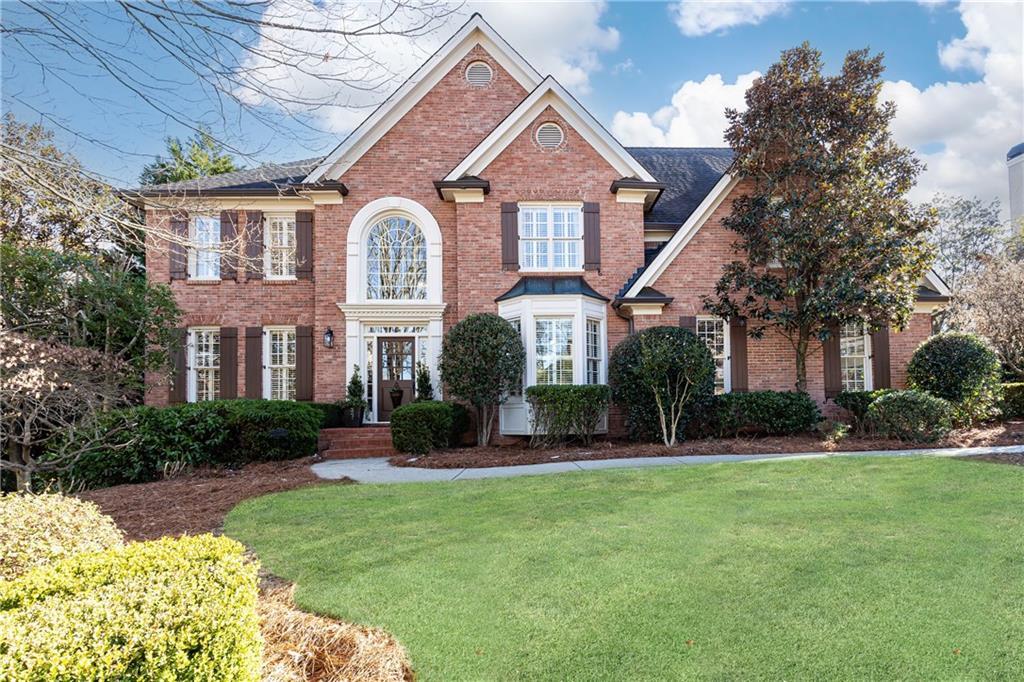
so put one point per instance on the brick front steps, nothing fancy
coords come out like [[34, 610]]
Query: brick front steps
[[367, 441]]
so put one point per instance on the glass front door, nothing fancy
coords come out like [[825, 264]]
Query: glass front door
[[396, 363]]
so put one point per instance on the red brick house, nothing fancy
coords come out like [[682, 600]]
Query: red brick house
[[478, 186]]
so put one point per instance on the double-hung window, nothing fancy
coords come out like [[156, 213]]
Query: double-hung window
[[279, 365], [594, 351], [714, 333], [204, 364], [854, 356], [553, 349], [550, 237], [280, 247], [204, 256]]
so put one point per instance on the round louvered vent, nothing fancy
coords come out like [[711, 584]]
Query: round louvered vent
[[549, 135], [479, 74]]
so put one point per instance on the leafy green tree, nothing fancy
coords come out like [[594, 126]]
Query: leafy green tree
[[89, 301], [482, 361], [198, 157], [966, 232], [825, 231]]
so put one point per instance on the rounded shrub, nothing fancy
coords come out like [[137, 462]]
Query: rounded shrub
[[418, 428], [649, 366], [911, 415], [962, 369], [39, 529], [769, 413]]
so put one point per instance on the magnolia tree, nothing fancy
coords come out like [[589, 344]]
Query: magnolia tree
[[991, 304], [50, 396], [482, 361], [826, 233]]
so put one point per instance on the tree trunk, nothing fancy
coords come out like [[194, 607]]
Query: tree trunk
[[802, 343], [485, 422]]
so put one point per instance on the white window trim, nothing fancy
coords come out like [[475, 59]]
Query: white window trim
[[267, 218], [534, 205], [514, 417], [192, 372], [266, 354], [193, 249], [869, 378], [726, 352]]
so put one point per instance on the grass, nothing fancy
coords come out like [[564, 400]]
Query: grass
[[847, 568]]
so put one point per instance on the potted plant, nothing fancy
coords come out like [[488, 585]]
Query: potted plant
[[424, 387], [353, 407], [397, 392]]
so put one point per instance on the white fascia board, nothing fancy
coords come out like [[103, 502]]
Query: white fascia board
[[550, 93], [684, 234], [932, 279], [474, 32]]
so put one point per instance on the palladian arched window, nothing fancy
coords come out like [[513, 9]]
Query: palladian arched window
[[396, 260]]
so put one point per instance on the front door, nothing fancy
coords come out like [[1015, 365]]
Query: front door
[[396, 371]]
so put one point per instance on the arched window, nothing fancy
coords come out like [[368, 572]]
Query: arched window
[[396, 260]]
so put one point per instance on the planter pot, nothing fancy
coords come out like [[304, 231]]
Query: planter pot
[[352, 417], [396, 397]]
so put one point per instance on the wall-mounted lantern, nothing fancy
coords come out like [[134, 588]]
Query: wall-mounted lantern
[[328, 338]]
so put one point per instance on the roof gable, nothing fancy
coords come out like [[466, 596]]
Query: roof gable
[[474, 32], [550, 94], [688, 174]]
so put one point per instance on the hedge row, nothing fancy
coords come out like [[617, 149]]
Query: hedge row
[[146, 441], [419, 427], [171, 609], [770, 413], [563, 412]]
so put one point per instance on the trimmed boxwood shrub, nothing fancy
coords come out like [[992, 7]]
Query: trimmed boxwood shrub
[[216, 432], [39, 529], [330, 414], [1013, 400], [420, 427], [171, 609], [461, 422], [566, 411], [857, 404], [770, 413], [911, 415], [962, 369]]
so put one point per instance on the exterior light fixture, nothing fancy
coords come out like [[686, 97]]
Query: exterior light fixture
[[328, 338]]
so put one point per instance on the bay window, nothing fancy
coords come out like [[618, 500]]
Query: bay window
[[279, 251], [279, 363], [594, 351], [553, 344], [550, 237], [854, 357], [203, 380], [204, 256]]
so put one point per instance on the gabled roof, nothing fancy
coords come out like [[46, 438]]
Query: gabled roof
[[550, 94], [474, 32], [688, 174]]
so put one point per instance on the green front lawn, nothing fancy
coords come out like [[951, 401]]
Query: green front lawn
[[836, 569]]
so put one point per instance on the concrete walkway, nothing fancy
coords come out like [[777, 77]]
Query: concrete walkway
[[377, 469]]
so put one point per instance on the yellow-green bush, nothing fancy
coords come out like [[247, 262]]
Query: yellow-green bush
[[40, 529], [172, 609]]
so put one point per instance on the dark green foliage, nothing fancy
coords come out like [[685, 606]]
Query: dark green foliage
[[857, 404], [221, 432], [420, 427], [962, 369], [770, 413], [356, 393], [461, 421], [481, 362], [200, 156], [911, 415], [1013, 400], [567, 411], [424, 387], [653, 364], [330, 414]]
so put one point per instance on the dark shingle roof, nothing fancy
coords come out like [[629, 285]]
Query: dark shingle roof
[[551, 286], [269, 176], [688, 174]]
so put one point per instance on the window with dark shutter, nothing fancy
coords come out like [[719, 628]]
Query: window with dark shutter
[[303, 363], [880, 371], [254, 362], [833, 369], [740, 383], [304, 244], [178, 247], [228, 234], [179, 370], [254, 244], [509, 235], [228, 362], [591, 236]]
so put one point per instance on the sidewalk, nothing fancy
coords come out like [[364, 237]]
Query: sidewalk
[[377, 469]]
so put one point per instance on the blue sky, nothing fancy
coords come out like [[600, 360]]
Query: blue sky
[[653, 73]]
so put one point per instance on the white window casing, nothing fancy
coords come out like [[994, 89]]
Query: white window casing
[[855, 357], [204, 252], [279, 363], [582, 315], [203, 368], [714, 331], [279, 252], [551, 237]]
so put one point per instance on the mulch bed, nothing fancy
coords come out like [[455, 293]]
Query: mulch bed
[[1007, 433], [196, 502]]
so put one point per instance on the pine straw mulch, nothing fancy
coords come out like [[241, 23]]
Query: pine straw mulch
[[1006, 433]]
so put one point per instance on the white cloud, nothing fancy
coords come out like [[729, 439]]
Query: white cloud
[[567, 44], [700, 17], [961, 130], [625, 66]]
